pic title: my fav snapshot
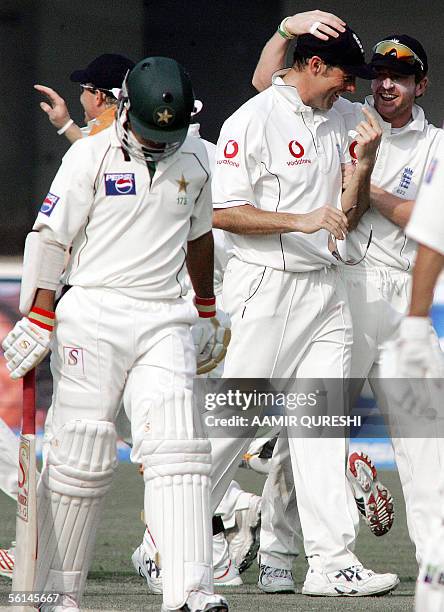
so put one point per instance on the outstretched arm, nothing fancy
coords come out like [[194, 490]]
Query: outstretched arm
[[319, 23], [58, 113]]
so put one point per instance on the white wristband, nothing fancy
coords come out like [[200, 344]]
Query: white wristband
[[67, 125]]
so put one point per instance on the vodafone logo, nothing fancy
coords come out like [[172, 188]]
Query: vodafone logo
[[296, 149], [124, 185], [231, 149], [352, 149]]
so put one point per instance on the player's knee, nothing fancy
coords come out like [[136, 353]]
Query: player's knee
[[174, 444], [81, 459]]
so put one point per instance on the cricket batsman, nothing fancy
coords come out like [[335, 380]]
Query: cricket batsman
[[135, 203]]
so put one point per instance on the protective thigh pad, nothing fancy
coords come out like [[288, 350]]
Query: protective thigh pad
[[79, 468], [177, 467]]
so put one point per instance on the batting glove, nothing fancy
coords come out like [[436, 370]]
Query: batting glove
[[419, 353], [27, 344], [211, 335]]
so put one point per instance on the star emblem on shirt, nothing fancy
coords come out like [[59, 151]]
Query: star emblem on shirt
[[164, 116], [183, 184]]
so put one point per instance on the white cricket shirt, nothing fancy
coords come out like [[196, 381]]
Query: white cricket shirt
[[280, 155], [400, 164], [426, 223], [127, 232]]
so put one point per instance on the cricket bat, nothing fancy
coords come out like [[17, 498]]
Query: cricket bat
[[26, 520]]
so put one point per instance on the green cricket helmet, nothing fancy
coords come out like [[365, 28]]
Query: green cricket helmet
[[158, 98]]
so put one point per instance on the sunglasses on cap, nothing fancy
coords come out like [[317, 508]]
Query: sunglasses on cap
[[397, 51], [92, 89]]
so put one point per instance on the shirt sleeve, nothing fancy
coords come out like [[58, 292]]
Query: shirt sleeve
[[237, 165], [426, 224], [68, 202], [344, 143], [202, 216]]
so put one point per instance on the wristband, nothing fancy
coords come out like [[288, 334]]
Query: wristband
[[67, 125], [42, 318], [282, 30], [206, 307]]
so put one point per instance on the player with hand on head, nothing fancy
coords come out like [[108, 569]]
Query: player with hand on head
[[278, 191], [100, 84], [135, 203], [379, 287]]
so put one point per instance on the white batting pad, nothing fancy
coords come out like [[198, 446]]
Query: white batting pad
[[177, 498], [80, 464]]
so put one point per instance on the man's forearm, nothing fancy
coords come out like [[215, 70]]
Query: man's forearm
[[252, 221], [272, 59], [44, 298], [356, 197], [200, 264], [390, 206], [73, 133], [428, 266]]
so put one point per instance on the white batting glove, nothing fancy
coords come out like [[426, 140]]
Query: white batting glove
[[211, 338], [418, 352], [27, 344]]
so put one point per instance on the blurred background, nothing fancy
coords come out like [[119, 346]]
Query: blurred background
[[218, 42]]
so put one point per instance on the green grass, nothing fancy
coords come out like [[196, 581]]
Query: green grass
[[113, 585]]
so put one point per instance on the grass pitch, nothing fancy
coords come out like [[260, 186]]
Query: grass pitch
[[113, 584]]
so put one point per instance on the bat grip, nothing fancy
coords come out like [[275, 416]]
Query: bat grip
[[28, 416]]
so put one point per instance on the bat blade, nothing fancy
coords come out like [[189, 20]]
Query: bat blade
[[26, 520]]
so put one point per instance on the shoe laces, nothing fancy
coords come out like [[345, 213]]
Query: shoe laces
[[276, 572], [349, 573]]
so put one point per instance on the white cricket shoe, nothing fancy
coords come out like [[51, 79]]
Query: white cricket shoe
[[64, 603], [354, 581], [202, 602], [146, 567], [275, 580], [7, 558], [243, 538], [374, 500], [225, 572]]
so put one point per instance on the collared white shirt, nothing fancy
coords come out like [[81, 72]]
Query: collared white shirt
[[127, 232], [400, 165], [426, 224], [277, 154]]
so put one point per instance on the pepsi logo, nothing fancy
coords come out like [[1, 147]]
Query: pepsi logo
[[124, 184], [48, 204], [296, 149], [231, 149], [352, 149]]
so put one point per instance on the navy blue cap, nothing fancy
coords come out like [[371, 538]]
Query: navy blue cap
[[105, 72]]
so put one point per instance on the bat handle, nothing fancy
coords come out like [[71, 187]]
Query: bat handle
[[28, 416]]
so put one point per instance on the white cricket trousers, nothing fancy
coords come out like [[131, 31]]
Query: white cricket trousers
[[287, 325], [9, 460], [379, 298], [145, 349]]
